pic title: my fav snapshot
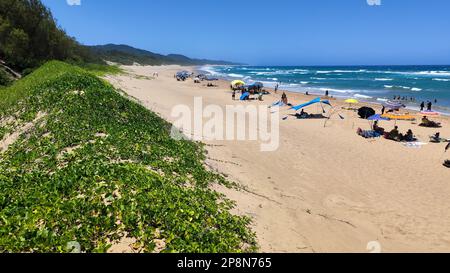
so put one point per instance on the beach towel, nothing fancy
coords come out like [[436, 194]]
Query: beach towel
[[368, 133], [415, 145]]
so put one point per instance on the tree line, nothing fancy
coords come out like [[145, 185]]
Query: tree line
[[29, 36]]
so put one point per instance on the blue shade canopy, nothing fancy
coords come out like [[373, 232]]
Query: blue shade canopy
[[245, 96], [314, 101], [377, 117]]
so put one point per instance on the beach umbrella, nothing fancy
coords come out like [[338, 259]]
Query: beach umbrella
[[393, 105], [237, 83], [366, 112], [352, 101]]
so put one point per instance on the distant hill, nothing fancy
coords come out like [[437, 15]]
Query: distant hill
[[127, 55]]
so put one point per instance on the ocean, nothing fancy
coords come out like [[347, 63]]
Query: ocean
[[366, 83]]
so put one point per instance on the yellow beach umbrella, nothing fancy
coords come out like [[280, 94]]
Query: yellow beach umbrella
[[352, 101], [237, 83]]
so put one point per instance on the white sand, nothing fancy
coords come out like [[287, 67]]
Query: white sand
[[325, 189]]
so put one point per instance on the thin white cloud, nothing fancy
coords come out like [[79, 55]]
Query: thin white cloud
[[74, 2]]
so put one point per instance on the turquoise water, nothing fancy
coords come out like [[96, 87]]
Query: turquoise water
[[368, 83]]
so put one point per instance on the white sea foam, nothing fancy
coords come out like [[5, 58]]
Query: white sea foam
[[304, 82], [210, 70], [442, 80], [403, 87], [235, 75], [337, 90], [323, 72], [383, 79], [362, 96]]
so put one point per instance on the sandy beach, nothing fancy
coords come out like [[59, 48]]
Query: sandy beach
[[325, 189]]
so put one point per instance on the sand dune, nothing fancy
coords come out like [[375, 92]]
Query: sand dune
[[325, 189]]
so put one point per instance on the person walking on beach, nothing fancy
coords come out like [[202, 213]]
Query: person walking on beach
[[327, 93], [383, 110], [276, 88], [422, 106], [429, 106]]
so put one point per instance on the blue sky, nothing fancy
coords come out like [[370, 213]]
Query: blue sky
[[269, 32]]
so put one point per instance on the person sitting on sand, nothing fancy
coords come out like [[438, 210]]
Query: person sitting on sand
[[377, 128], [428, 123], [233, 96], [436, 138], [409, 137], [394, 134]]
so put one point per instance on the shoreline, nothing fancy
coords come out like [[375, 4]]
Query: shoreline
[[319, 91], [340, 99]]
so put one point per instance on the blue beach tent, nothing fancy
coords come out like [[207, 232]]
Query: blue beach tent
[[314, 101]]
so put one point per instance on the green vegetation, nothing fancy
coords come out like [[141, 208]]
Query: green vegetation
[[102, 70], [128, 55], [29, 36], [5, 79], [91, 166]]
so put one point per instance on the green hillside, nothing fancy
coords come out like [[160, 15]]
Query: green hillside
[[127, 55], [81, 162]]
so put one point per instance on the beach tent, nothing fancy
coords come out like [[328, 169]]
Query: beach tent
[[245, 96], [314, 101], [366, 112]]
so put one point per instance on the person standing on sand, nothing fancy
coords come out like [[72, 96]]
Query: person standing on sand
[[327, 93], [284, 98], [422, 106], [234, 95], [383, 110], [429, 106], [276, 88]]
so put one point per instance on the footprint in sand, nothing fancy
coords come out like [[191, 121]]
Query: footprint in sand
[[339, 201]]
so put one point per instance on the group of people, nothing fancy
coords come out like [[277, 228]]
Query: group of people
[[429, 106], [394, 134]]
